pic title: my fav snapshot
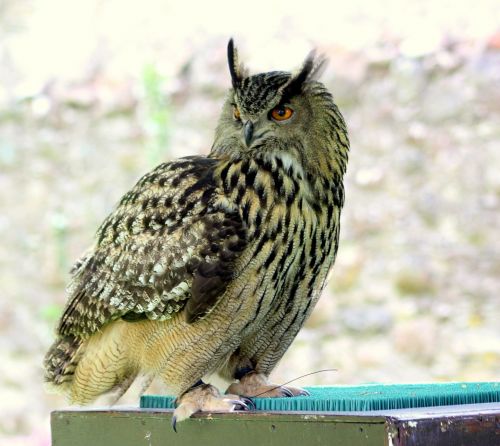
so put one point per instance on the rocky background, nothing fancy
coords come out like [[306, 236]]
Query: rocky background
[[95, 93]]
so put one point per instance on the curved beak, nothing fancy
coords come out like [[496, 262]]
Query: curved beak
[[248, 132]]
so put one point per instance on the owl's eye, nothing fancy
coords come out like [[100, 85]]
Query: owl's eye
[[281, 113], [236, 113]]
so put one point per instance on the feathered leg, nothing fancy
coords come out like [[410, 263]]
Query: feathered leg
[[255, 384]]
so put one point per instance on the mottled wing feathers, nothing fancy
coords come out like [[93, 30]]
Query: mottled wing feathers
[[170, 244], [226, 239]]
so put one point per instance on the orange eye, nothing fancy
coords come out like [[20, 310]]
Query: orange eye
[[281, 113], [236, 113]]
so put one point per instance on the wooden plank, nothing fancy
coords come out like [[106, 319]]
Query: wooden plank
[[472, 425], [151, 428], [471, 428]]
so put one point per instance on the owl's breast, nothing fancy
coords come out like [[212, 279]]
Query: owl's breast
[[292, 244]]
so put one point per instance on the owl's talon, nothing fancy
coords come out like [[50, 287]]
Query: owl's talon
[[249, 402], [238, 404], [243, 403], [286, 392], [206, 398]]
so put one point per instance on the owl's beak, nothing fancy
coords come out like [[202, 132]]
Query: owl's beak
[[248, 132]]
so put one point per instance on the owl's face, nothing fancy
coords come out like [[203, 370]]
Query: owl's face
[[257, 113], [280, 112]]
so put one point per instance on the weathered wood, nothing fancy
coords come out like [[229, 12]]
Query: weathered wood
[[471, 425], [452, 425]]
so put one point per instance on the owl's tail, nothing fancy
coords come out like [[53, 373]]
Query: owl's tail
[[84, 369], [61, 360]]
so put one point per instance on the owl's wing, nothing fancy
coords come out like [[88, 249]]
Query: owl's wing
[[170, 244]]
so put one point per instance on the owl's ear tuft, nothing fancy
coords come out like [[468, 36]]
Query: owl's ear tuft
[[311, 69], [235, 68]]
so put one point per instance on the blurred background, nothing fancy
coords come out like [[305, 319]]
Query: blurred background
[[95, 93]]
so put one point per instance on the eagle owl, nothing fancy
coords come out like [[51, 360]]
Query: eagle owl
[[211, 264]]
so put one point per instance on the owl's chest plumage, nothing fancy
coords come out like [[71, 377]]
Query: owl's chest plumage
[[292, 236]]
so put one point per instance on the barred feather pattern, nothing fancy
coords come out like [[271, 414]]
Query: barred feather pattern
[[150, 248]]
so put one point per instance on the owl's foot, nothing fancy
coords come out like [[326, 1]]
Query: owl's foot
[[206, 398], [256, 385]]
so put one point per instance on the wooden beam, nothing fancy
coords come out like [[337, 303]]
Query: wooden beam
[[446, 426]]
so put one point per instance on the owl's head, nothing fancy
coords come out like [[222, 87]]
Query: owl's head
[[282, 113]]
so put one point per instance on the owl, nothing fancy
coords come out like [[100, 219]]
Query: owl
[[212, 264]]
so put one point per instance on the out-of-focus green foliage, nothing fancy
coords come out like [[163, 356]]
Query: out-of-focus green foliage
[[157, 114], [51, 312]]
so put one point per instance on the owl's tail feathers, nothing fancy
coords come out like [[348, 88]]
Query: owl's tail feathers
[[85, 369], [60, 362]]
